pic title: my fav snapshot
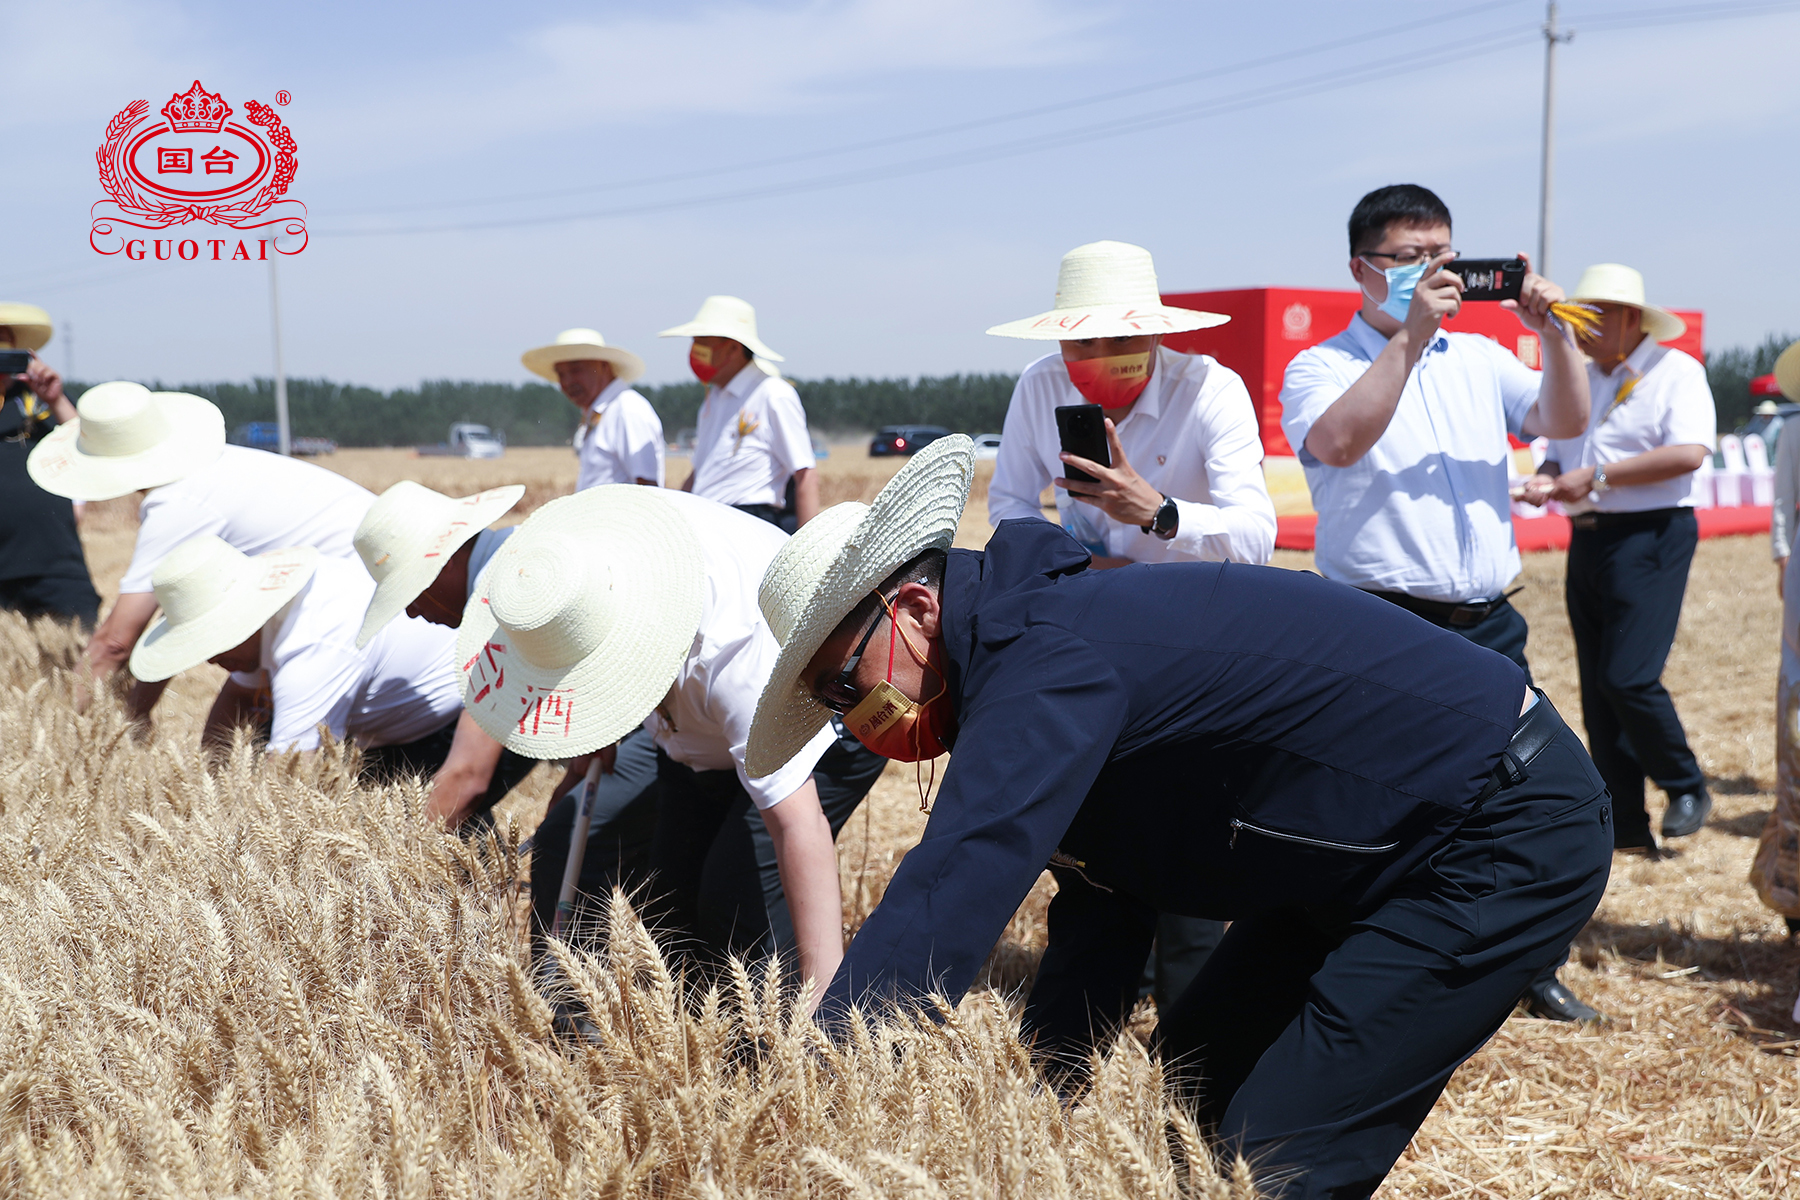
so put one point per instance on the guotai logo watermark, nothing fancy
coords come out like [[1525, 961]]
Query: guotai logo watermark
[[198, 166]]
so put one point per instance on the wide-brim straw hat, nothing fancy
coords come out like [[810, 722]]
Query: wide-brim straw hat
[[407, 536], [30, 324], [128, 437], [726, 317], [1107, 289], [1787, 372], [582, 345], [1615, 283], [829, 566], [213, 596], [581, 621]]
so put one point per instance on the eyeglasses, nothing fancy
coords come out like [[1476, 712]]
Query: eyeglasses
[[1408, 258], [839, 694]]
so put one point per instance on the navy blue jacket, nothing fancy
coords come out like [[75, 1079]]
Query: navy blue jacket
[[1202, 738]]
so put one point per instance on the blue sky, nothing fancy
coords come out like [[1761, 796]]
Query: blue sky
[[1675, 155]]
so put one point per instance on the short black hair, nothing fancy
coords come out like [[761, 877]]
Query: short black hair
[[926, 567], [1407, 203]]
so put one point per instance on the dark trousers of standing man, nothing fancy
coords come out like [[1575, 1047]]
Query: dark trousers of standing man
[[1626, 579], [715, 885]]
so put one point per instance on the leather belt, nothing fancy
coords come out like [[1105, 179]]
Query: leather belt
[[1644, 518], [1466, 615], [1535, 730]]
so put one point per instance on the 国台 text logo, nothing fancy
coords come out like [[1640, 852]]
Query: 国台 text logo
[[198, 165]]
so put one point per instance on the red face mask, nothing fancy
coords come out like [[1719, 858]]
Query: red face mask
[[700, 362], [894, 726], [1110, 382]]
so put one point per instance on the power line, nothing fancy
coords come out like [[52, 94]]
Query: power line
[[959, 127], [1410, 61]]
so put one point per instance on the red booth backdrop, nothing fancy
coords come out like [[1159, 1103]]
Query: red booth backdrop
[[1270, 325]]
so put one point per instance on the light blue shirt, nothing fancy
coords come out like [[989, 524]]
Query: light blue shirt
[[486, 542], [1426, 511]]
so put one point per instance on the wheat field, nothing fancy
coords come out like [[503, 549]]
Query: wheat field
[[270, 980]]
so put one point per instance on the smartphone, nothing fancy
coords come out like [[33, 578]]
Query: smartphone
[[1082, 428], [15, 362], [1490, 278]]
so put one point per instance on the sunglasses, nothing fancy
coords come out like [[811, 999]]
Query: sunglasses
[[839, 694]]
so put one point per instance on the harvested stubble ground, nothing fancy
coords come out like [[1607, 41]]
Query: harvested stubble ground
[[268, 980]]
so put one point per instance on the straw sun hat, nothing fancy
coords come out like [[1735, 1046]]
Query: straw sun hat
[[1612, 283], [408, 535], [1787, 372], [1107, 289], [213, 596], [30, 324], [581, 621], [128, 437], [829, 566], [727, 317], [582, 345]]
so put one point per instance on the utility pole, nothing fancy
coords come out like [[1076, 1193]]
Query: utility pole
[[286, 443], [1547, 170]]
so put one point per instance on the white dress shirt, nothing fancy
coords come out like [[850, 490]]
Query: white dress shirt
[[620, 439], [400, 687], [255, 502], [705, 720], [1669, 404], [1426, 511], [751, 436], [1787, 492], [1192, 435]]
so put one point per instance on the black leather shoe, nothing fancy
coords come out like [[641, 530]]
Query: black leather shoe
[[1686, 813], [1554, 1002]]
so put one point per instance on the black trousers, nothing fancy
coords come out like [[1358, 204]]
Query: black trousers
[[1625, 584], [423, 756], [1316, 1042], [716, 887], [71, 597], [620, 827]]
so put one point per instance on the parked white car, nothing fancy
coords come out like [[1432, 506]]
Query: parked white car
[[987, 445]]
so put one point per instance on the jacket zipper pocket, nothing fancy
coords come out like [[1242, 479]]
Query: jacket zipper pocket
[[1238, 827]]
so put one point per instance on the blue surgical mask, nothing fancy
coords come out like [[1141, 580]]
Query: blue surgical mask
[[1401, 282]]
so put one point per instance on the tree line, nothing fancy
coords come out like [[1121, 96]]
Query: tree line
[[536, 414]]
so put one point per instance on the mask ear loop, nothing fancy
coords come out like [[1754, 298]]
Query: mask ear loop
[[925, 788]]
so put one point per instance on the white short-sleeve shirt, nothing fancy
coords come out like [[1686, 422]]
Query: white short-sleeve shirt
[[400, 687], [619, 440], [1670, 404], [1192, 435], [255, 502], [1426, 511], [705, 721], [750, 437]]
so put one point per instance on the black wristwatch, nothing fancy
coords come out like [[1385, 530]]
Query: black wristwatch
[[1164, 522]]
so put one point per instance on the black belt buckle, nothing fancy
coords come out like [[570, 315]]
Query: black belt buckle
[[1586, 520], [1467, 616]]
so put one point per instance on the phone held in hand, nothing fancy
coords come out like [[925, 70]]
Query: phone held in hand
[[1490, 278], [15, 362], [1082, 430]]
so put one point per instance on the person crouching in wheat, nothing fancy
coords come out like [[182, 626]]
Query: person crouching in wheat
[[1402, 832]]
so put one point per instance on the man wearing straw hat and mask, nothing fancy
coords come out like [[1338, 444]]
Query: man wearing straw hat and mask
[[620, 439], [621, 607], [170, 446], [751, 438], [1402, 430], [1185, 483], [43, 570], [285, 624], [1401, 832], [1628, 484]]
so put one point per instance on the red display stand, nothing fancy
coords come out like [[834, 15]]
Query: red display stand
[[1552, 532]]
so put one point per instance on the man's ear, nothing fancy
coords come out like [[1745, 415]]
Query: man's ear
[[921, 604]]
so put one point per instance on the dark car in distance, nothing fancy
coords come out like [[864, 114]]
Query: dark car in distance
[[905, 439]]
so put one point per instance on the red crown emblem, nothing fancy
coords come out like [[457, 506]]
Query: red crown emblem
[[197, 111]]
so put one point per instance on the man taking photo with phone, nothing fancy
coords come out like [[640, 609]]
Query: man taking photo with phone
[[1401, 427]]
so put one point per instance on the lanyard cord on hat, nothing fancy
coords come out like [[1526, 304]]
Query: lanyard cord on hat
[[925, 786]]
